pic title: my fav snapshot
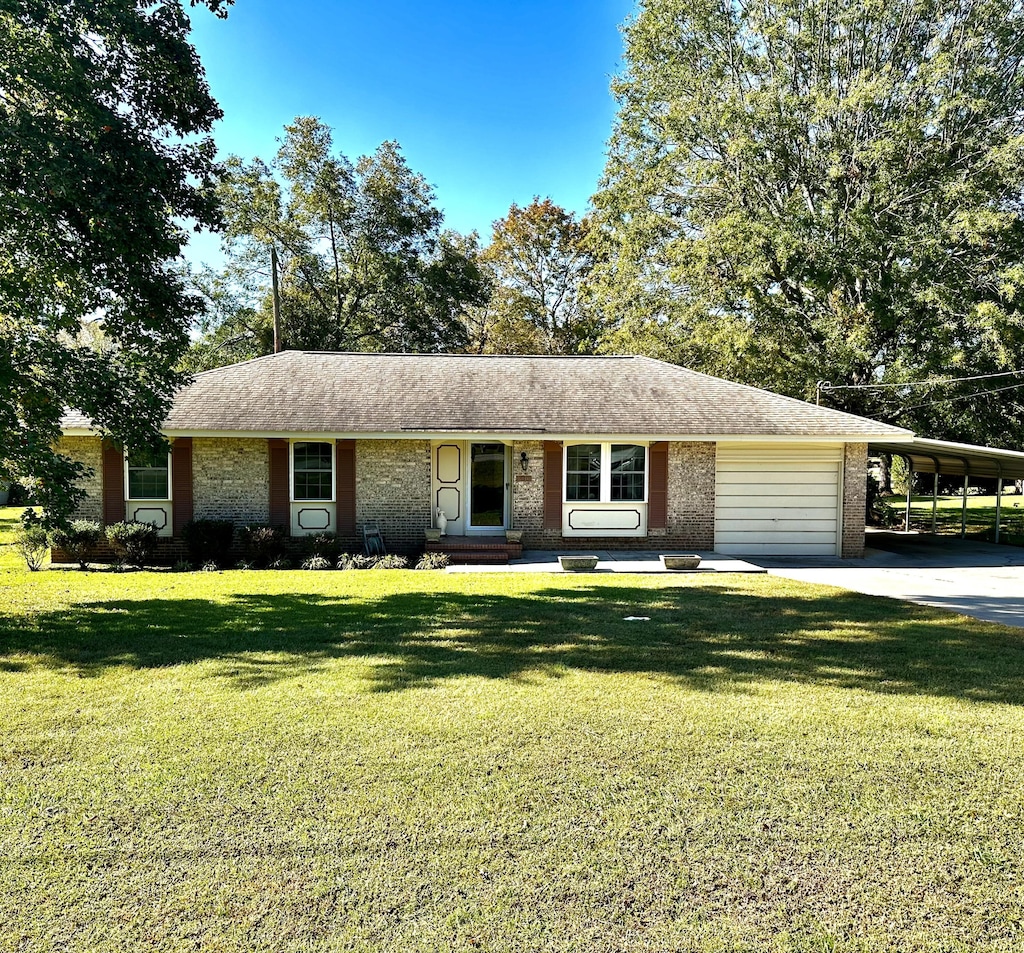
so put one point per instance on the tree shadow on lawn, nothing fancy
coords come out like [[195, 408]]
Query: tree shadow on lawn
[[711, 637]]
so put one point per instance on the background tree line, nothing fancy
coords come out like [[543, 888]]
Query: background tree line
[[795, 190]]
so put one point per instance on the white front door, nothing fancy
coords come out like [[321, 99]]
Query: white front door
[[471, 486], [449, 484]]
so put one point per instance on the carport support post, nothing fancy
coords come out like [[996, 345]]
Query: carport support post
[[935, 501], [910, 489], [999, 504], [963, 510]]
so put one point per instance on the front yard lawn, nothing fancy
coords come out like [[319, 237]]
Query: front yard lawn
[[386, 760]]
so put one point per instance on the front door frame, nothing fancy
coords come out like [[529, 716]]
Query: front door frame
[[456, 494], [486, 530]]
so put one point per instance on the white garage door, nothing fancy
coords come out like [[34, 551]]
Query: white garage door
[[775, 500]]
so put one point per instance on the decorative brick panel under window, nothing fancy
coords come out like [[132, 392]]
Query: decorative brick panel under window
[[552, 484], [113, 484], [181, 482], [345, 478], [280, 495], [657, 486]]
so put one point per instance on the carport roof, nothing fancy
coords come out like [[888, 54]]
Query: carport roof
[[956, 459]]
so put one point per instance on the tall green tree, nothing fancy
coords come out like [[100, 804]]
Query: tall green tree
[[103, 111], [823, 189], [364, 262], [538, 259]]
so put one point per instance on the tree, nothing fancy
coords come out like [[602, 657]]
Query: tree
[[103, 107], [538, 259], [364, 262], [800, 190]]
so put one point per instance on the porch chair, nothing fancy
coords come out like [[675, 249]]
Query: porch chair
[[373, 542]]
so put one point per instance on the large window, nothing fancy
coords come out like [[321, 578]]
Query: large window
[[605, 473], [312, 471], [627, 472], [149, 476], [583, 472]]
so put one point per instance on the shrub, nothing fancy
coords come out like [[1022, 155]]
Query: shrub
[[133, 542], [182, 565], [264, 545], [433, 561], [209, 540], [79, 540], [391, 561], [317, 562], [211, 566], [30, 540], [280, 563], [326, 545], [355, 561]]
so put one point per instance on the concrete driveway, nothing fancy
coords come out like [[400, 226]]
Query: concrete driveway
[[975, 579]]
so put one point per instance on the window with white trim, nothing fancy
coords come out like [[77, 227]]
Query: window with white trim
[[605, 472], [312, 471], [148, 476]]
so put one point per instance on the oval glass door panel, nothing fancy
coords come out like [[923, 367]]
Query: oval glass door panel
[[487, 485]]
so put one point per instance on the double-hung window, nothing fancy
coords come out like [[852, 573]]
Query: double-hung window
[[605, 473], [312, 471], [149, 476]]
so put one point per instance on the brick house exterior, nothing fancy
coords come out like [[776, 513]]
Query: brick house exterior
[[571, 453]]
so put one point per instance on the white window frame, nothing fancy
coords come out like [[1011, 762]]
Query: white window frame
[[334, 472], [140, 499], [605, 494]]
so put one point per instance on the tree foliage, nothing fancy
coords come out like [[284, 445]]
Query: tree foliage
[[364, 262], [103, 107], [538, 260], [823, 189]]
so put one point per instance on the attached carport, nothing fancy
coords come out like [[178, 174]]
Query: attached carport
[[955, 459]]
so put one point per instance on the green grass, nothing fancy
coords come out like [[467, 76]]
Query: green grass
[[981, 515], [421, 761]]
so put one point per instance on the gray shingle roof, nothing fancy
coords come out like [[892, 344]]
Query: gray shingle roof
[[316, 392]]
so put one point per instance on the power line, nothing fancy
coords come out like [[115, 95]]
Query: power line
[[949, 400], [829, 386]]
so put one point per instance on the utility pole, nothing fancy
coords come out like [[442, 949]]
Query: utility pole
[[277, 299]]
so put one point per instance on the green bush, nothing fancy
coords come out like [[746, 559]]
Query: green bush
[[79, 540], [133, 542], [391, 561], [317, 562], [433, 561], [325, 545], [209, 541], [31, 541], [264, 545]]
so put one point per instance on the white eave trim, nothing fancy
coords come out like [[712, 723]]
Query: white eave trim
[[887, 436]]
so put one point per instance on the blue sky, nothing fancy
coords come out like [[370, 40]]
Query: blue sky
[[493, 101]]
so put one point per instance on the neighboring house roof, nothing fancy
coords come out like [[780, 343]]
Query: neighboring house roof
[[298, 392]]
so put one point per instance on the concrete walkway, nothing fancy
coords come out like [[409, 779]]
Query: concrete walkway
[[543, 561], [976, 579]]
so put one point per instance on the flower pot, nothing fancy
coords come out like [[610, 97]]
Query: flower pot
[[514, 535], [677, 563], [433, 535], [578, 563]]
